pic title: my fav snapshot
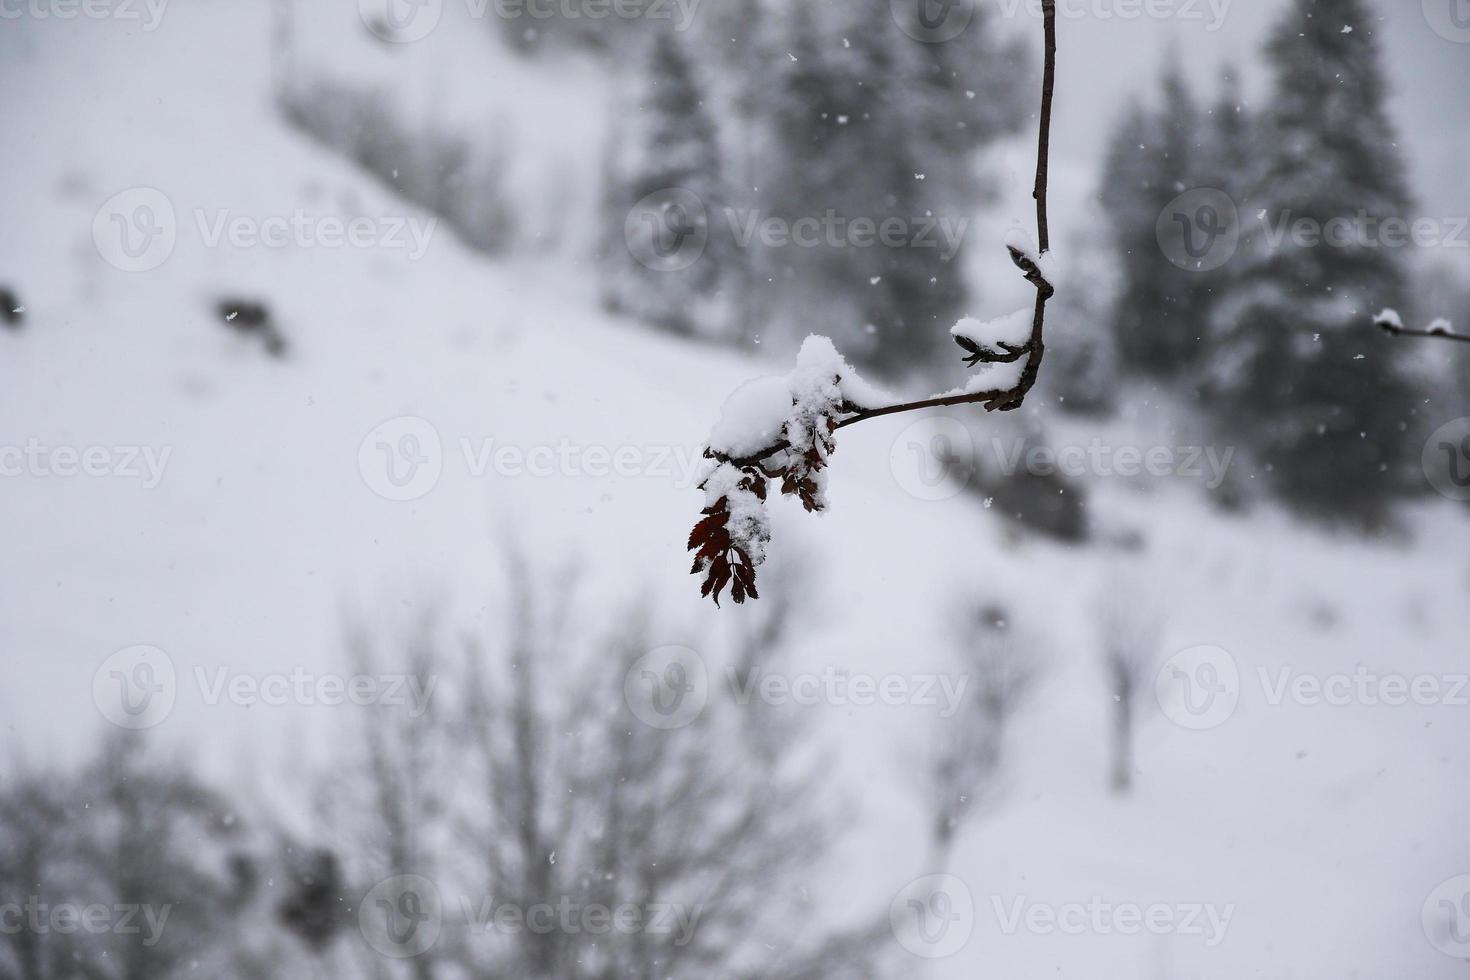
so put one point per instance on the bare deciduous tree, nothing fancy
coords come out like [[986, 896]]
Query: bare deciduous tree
[[964, 774], [141, 838], [1129, 631], [580, 801]]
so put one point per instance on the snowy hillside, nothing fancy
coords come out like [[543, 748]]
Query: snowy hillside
[[1318, 831]]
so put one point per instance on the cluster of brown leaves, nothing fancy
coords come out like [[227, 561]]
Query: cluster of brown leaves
[[717, 555], [798, 476]]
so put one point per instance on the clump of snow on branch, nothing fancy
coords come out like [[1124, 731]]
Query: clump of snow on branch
[[1390, 321], [759, 413], [773, 428], [1002, 337], [1019, 242]]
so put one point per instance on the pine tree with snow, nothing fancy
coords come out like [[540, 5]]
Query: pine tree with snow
[[1227, 153], [872, 125], [668, 195], [1321, 399], [1134, 181], [1227, 145], [1159, 316]]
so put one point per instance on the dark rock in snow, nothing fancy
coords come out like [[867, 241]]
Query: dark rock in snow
[[252, 318], [12, 313]]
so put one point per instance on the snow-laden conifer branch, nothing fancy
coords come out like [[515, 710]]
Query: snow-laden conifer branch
[[784, 428], [1390, 322]]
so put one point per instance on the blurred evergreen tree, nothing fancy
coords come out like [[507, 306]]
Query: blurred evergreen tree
[[872, 125], [1319, 396], [673, 170], [1160, 314]]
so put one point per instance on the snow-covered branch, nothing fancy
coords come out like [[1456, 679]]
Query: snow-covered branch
[[1390, 322], [783, 428]]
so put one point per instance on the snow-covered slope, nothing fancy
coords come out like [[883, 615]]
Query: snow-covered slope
[[1323, 828]]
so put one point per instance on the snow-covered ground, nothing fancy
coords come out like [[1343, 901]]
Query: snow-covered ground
[[1320, 830]]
